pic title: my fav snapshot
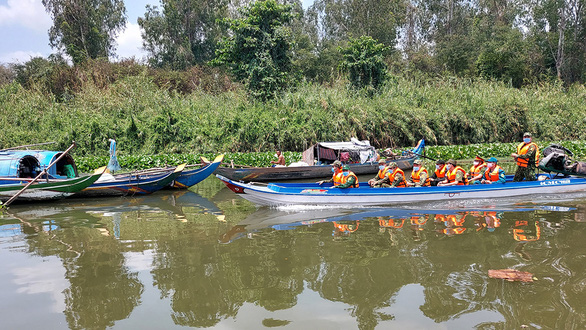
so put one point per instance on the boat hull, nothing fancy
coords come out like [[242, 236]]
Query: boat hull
[[192, 176], [312, 194], [270, 174], [42, 190], [136, 183]]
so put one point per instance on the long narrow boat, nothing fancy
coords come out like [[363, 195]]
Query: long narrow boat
[[46, 189], [314, 194], [318, 157], [133, 183], [193, 175]]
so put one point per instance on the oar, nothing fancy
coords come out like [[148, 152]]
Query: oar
[[8, 202]]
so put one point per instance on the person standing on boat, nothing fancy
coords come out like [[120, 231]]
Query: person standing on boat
[[396, 176], [419, 177], [280, 159], [455, 175], [336, 176], [439, 174], [349, 179], [476, 170], [381, 179], [493, 173], [527, 157]]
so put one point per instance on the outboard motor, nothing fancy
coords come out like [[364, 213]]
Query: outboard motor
[[559, 159]]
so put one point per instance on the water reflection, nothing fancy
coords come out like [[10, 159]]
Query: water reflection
[[220, 262]]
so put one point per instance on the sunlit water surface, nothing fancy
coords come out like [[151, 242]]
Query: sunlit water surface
[[207, 258]]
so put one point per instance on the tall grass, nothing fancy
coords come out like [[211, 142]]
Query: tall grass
[[148, 119]]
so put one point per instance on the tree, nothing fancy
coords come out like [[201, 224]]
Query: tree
[[342, 19], [259, 50], [364, 61], [184, 33], [85, 28]]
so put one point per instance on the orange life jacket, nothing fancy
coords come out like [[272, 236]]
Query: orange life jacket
[[453, 230], [391, 223], [522, 236], [522, 149], [492, 215], [346, 228], [337, 178], [441, 173], [392, 175], [416, 175], [382, 173], [451, 175], [455, 221], [476, 170], [492, 175], [346, 177], [420, 220]]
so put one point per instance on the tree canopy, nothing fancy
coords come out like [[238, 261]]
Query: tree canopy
[[85, 29]]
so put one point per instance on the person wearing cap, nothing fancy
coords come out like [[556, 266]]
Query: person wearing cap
[[494, 173], [396, 176], [336, 176], [349, 179], [527, 158], [455, 175], [419, 177], [380, 180], [439, 174], [476, 170]]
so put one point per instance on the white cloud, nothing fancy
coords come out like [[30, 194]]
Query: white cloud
[[129, 42], [27, 13], [19, 56]]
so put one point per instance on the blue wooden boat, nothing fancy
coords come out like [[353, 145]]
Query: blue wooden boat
[[193, 174], [133, 183], [313, 194]]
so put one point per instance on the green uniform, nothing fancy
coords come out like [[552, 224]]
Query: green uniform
[[527, 173]]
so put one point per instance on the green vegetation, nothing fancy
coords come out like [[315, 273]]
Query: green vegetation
[[146, 119]]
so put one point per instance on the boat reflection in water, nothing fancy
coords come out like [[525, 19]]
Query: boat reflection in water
[[448, 222], [89, 212]]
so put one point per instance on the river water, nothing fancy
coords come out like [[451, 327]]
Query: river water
[[207, 258]]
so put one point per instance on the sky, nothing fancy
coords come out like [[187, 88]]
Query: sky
[[25, 25]]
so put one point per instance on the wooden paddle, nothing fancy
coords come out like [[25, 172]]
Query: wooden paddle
[[8, 202]]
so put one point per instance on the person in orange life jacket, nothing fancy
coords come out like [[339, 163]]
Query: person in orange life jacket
[[349, 179], [396, 176], [455, 175], [419, 177], [476, 170], [439, 174], [493, 173], [527, 157], [337, 173], [381, 179]]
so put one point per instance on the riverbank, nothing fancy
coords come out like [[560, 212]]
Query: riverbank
[[146, 119]]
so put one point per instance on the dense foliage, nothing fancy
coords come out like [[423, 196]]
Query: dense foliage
[[364, 63], [85, 29], [147, 119], [258, 52]]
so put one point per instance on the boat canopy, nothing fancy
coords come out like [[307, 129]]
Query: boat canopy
[[354, 151], [65, 167], [19, 164]]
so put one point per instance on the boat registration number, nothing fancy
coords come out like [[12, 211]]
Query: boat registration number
[[554, 182]]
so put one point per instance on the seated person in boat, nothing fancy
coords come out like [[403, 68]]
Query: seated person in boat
[[419, 177], [493, 173], [381, 179], [455, 175], [280, 159], [396, 176], [349, 179], [337, 174], [476, 170], [439, 174]]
